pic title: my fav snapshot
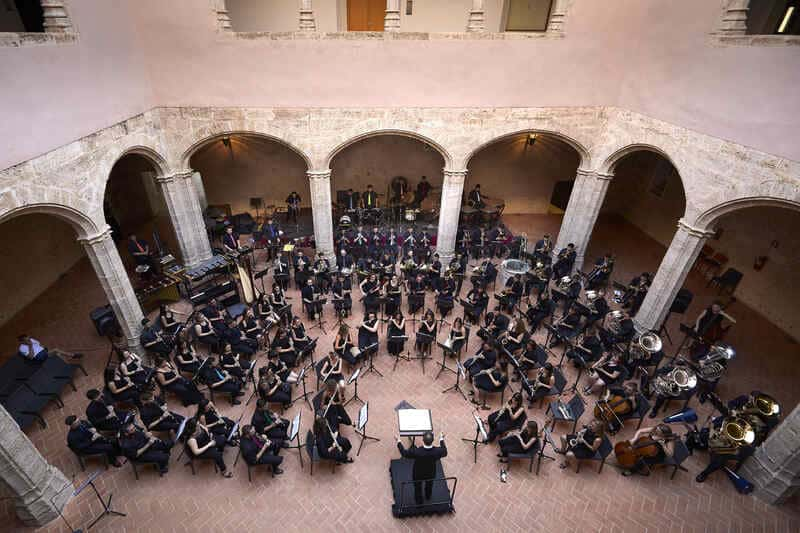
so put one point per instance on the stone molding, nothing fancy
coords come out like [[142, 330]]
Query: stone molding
[[455, 176], [93, 240], [694, 231], [318, 174]]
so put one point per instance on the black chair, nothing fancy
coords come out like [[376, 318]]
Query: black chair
[[574, 409], [530, 455], [191, 458], [313, 453], [83, 456], [642, 408], [556, 389], [600, 455], [727, 282], [250, 467], [135, 464], [676, 461]]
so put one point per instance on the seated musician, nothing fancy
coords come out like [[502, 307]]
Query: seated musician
[[511, 416], [416, 293], [277, 299], [457, 336], [156, 417], [429, 328], [520, 442], [140, 251], [331, 445], [582, 445], [623, 333], [218, 426], [544, 382], [444, 295], [708, 327], [370, 289], [332, 368], [532, 356], [661, 439], [300, 338], [259, 449], [512, 293], [344, 347], [202, 445], [516, 336], [479, 301], [498, 239], [302, 269], [141, 446], [483, 360], [251, 328], [221, 381], [538, 278], [565, 261], [617, 404], [120, 386], [269, 423], [280, 271], [166, 318], [215, 313], [369, 200], [601, 272], [376, 240], [597, 306], [101, 414], [152, 340], [292, 206], [272, 389], [83, 439], [475, 199], [232, 363], [239, 341], [409, 266], [535, 314], [636, 291], [331, 404], [496, 325], [490, 380], [368, 331], [340, 294], [280, 368], [721, 448], [543, 248], [230, 241], [588, 351], [322, 273], [396, 328], [605, 372], [271, 236], [169, 380], [186, 357], [283, 345], [132, 368], [204, 331], [566, 328], [344, 261], [570, 292], [394, 294]]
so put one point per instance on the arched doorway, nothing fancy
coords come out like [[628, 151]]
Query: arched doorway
[[639, 215], [529, 175], [248, 177]]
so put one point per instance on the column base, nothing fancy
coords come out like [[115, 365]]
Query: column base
[[41, 506]]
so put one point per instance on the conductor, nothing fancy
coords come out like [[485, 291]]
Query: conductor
[[425, 460]]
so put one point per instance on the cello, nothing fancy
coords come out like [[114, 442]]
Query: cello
[[629, 453], [610, 411]]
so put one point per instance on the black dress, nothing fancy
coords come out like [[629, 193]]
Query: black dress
[[512, 444], [325, 441], [395, 347], [483, 382]]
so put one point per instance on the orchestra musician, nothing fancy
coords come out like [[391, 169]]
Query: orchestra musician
[[396, 328], [360, 242], [322, 273], [636, 291], [570, 292], [588, 351], [597, 306], [283, 345], [465, 241], [272, 389], [458, 268], [269, 423], [519, 442], [601, 272], [351, 200], [345, 261], [498, 239], [479, 240], [479, 301], [581, 445], [121, 388], [101, 414], [344, 347], [152, 340], [340, 293], [721, 449], [393, 292], [265, 314], [169, 380], [392, 244], [475, 199], [387, 266], [370, 290], [539, 277], [230, 241], [409, 266], [277, 299], [483, 360], [221, 381], [215, 314], [496, 325], [516, 336], [240, 343], [616, 405], [512, 292], [543, 248], [186, 358], [484, 274], [311, 299], [271, 236], [531, 357], [489, 380], [232, 363], [132, 368], [416, 293], [332, 368], [428, 327], [84, 439], [444, 295], [369, 200], [251, 328], [259, 449], [142, 446], [280, 368], [166, 318], [202, 444], [156, 417], [376, 242], [140, 251], [292, 206], [565, 261], [566, 328], [544, 382], [624, 332], [435, 272], [331, 445], [709, 329], [302, 269], [660, 443], [280, 271], [332, 403], [368, 331], [457, 336], [607, 371], [511, 416], [543, 308]]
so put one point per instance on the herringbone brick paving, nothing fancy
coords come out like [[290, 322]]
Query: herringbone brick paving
[[358, 496]]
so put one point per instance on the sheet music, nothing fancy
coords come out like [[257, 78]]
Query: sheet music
[[295, 426], [181, 428], [363, 416], [355, 375], [414, 421], [479, 424]]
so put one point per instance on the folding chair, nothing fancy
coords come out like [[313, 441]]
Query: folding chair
[[567, 412], [642, 408], [676, 461]]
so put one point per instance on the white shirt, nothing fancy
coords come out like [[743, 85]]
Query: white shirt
[[37, 348]]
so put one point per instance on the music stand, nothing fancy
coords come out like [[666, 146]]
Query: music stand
[[460, 372], [361, 427], [688, 333], [370, 351], [480, 437], [294, 436], [354, 379], [399, 355], [302, 379], [428, 339], [443, 365], [308, 350], [320, 323], [107, 510]]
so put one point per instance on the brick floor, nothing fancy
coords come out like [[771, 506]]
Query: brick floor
[[358, 496]]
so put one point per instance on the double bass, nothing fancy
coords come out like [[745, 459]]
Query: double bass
[[611, 410], [630, 453]]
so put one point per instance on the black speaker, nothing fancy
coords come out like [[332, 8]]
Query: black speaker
[[105, 321], [682, 301]]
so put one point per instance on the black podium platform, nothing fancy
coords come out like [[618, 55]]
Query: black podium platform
[[441, 502]]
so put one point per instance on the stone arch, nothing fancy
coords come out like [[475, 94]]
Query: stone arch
[[195, 146], [156, 159], [611, 161], [376, 133], [583, 153], [84, 226], [707, 219]]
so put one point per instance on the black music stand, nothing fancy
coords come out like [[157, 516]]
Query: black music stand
[[369, 352], [460, 372], [302, 379], [480, 437], [429, 339], [354, 379], [399, 356], [107, 510], [361, 427], [443, 365], [320, 323], [688, 333]]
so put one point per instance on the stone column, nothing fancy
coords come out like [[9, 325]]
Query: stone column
[[734, 19], [39, 490], [321, 211], [449, 212], [557, 14], [585, 201], [186, 215], [391, 21], [307, 22], [112, 275], [677, 262], [476, 21], [774, 468], [56, 19], [223, 19]]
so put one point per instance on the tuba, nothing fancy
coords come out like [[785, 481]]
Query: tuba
[[645, 345], [710, 366], [733, 433], [763, 404], [563, 283], [614, 318], [678, 380]]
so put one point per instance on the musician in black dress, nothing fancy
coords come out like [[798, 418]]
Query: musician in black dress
[[215, 313], [332, 368], [269, 423], [512, 293], [564, 262], [277, 299], [566, 328], [201, 445], [341, 295], [396, 328], [331, 445], [166, 318], [219, 380], [519, 442], [416, 293], [232, 363], [544, 382], [239, 341], [368, 332], [272, 389], [265, 314], [511, 416], [230, 241], [582, 445], [260, 449], [444, 295], [121, 388], [458, 268], [280, 368], [483, 360], [292, 206], [457, 336], [394, 293], [428, 328], [251, 328], [479, 301], [331, 404], [607, 371], [588, 351], [370, 289], [132, 368], [534, 355], [490, 380], [343, 346], [283, 345], [84, 439], [143, 447], [516, 337], [157, 417], [496, 325], [169, 380]]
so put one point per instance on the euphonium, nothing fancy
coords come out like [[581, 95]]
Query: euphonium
[[681, 378], [645, 345], [733, 433]]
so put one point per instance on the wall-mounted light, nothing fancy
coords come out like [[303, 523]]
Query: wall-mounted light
[[226, 141], [531, 139], [787, 17]]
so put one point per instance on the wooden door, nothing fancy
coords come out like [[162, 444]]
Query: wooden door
[[365, 15]]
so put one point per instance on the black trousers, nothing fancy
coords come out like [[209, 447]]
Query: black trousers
[[418, 490], [716, 462], [102, 446]]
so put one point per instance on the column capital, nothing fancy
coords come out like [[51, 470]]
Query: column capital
[[455, 175], [594, 174], [694, 231], [318, 174], [102, 235]]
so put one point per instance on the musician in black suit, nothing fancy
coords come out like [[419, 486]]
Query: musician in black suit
[[425, 461], [83, 439], [565, 261], [474, 199], [139, 250], [542, 249], [230, 240], [351, 200], [260, 449], [369, 200], [292, 207]]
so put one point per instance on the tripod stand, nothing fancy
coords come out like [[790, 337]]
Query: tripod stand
[[306, 393], [460, 372], [399, 355], [320, 323], [370, 352], [480, 437], [107, 510], [354, 379], [427, 341], [446, 350]]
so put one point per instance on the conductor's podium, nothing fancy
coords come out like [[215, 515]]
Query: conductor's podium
[[441, 502]]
